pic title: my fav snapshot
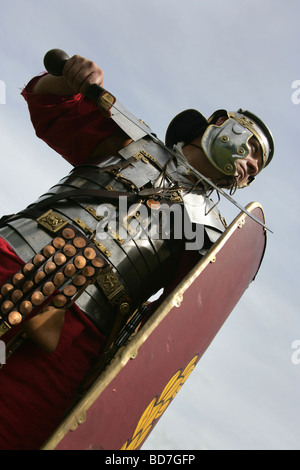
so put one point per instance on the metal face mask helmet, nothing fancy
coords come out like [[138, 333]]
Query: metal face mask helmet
[[223, 144]]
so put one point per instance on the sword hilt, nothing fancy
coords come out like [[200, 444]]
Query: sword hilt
[[54, 62]]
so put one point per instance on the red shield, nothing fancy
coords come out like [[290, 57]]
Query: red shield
[[126, 401]]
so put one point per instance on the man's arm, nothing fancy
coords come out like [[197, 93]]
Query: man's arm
[[54, 85], [67, 121], [78, 74]]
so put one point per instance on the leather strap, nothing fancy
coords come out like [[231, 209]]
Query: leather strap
[[35, 210]]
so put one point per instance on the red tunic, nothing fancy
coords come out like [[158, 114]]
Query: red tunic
[[71, 125], [36, 388]]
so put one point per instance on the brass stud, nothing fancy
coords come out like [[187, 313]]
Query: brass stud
[[37, 298], [17, 279], [98, 262], [69, 270], [68, 233], [79, 280], [28, 269], [58, 242], [69, 250], [26, 307], [40, 275], [124, 308], [48, 288], [80, 262], [79, 242], [69, 290], [48, 251], [38, 260], [6, 307], [88, 271], [59, 259], [27, 286], [16, 295], [228, 168], [153, 204], [59, 301], [50, 267], [14, 318], [58, 279], [6, 289], [89, 253]]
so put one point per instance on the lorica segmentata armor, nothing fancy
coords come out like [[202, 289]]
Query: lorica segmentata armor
[[150, 213]]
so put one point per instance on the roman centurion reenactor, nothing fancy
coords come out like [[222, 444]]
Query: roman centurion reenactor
[[77, 263]]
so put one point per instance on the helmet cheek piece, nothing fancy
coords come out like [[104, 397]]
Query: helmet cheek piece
[[226, 143]]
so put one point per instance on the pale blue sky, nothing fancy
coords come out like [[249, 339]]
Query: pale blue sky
[[161, 57]]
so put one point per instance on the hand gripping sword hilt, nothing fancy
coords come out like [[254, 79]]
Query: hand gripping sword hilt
[[54, 62]]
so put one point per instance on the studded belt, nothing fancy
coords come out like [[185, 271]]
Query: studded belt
[[57, 276]]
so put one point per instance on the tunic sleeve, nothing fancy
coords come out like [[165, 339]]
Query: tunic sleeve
[[71, 125]]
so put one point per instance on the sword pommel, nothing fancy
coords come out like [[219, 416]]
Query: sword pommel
[[55, 60]]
